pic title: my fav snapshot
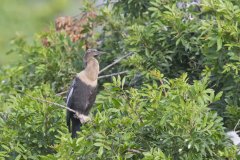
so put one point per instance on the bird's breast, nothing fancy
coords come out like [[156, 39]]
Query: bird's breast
[[85, 79]]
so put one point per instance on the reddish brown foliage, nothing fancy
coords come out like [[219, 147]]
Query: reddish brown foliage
[[74, 27]]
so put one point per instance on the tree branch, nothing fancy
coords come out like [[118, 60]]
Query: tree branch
[[115, 62], [49, 102], [105, 68], [236, 125], [83, 118], [100, 77], [113, 74], [135, 151], [61, 93]]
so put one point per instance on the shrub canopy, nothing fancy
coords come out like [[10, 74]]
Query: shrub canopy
[[180, 96]]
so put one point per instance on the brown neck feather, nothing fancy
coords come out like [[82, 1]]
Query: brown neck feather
[[92, 69]]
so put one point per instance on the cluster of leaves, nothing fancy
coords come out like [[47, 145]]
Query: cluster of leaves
[[177, 38], [55, 64], [171, 121], [28, 128], [145, 115]]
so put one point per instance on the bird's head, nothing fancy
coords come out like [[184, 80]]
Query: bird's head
[[90, 53]]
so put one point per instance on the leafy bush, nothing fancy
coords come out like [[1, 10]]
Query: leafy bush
[[145, 115], [170, 121], [55, 64], [200, 38], [28, 128]]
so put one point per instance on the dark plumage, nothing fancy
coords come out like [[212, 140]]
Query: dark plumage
[[83, 91]]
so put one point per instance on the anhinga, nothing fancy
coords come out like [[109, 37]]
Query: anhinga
[[83, 91]]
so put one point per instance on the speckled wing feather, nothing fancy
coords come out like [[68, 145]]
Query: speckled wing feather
[[69, 103], [81, 96], [92, 99]]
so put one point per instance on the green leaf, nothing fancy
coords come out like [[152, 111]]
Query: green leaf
[[219, 43], [98, 144], [6, 147], [18, 157], [123, 81], [218, 96], [100, 152], [129, 155]]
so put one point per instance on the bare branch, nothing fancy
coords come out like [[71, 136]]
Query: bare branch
[[61, 93], [236, 125], [135, 151], [49, 102], [115, 62], [113, 74], [100, 77], [104, 76], [81, 117]]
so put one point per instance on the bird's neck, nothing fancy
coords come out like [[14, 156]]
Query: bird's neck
[[92, 69]]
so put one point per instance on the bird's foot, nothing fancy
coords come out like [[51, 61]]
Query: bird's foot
[[83, 118]]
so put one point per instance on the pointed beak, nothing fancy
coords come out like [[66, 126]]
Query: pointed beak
[[98, 53]]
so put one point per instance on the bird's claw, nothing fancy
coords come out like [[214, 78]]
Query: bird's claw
[[83, 118]]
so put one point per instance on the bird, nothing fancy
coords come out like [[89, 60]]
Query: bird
[[82, 93]]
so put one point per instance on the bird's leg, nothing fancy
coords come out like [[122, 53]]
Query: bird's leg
[[83, 118]]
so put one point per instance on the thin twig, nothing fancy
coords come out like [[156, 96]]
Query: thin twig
[[134, 151], [100, 77], [113, 74], [61, 93], [236, 125], [83, 118], [105, 68], [115, 62], [53, 103]]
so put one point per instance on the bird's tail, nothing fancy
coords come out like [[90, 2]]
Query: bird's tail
[[76, 124], [68, 117]]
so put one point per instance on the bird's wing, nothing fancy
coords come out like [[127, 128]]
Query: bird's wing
[[92, 98], [69, 95], [79, 96], [69, 104]]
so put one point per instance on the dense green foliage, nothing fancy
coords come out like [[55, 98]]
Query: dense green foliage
[[26, 122], [179, 98], [166, 38], [179, 123]]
